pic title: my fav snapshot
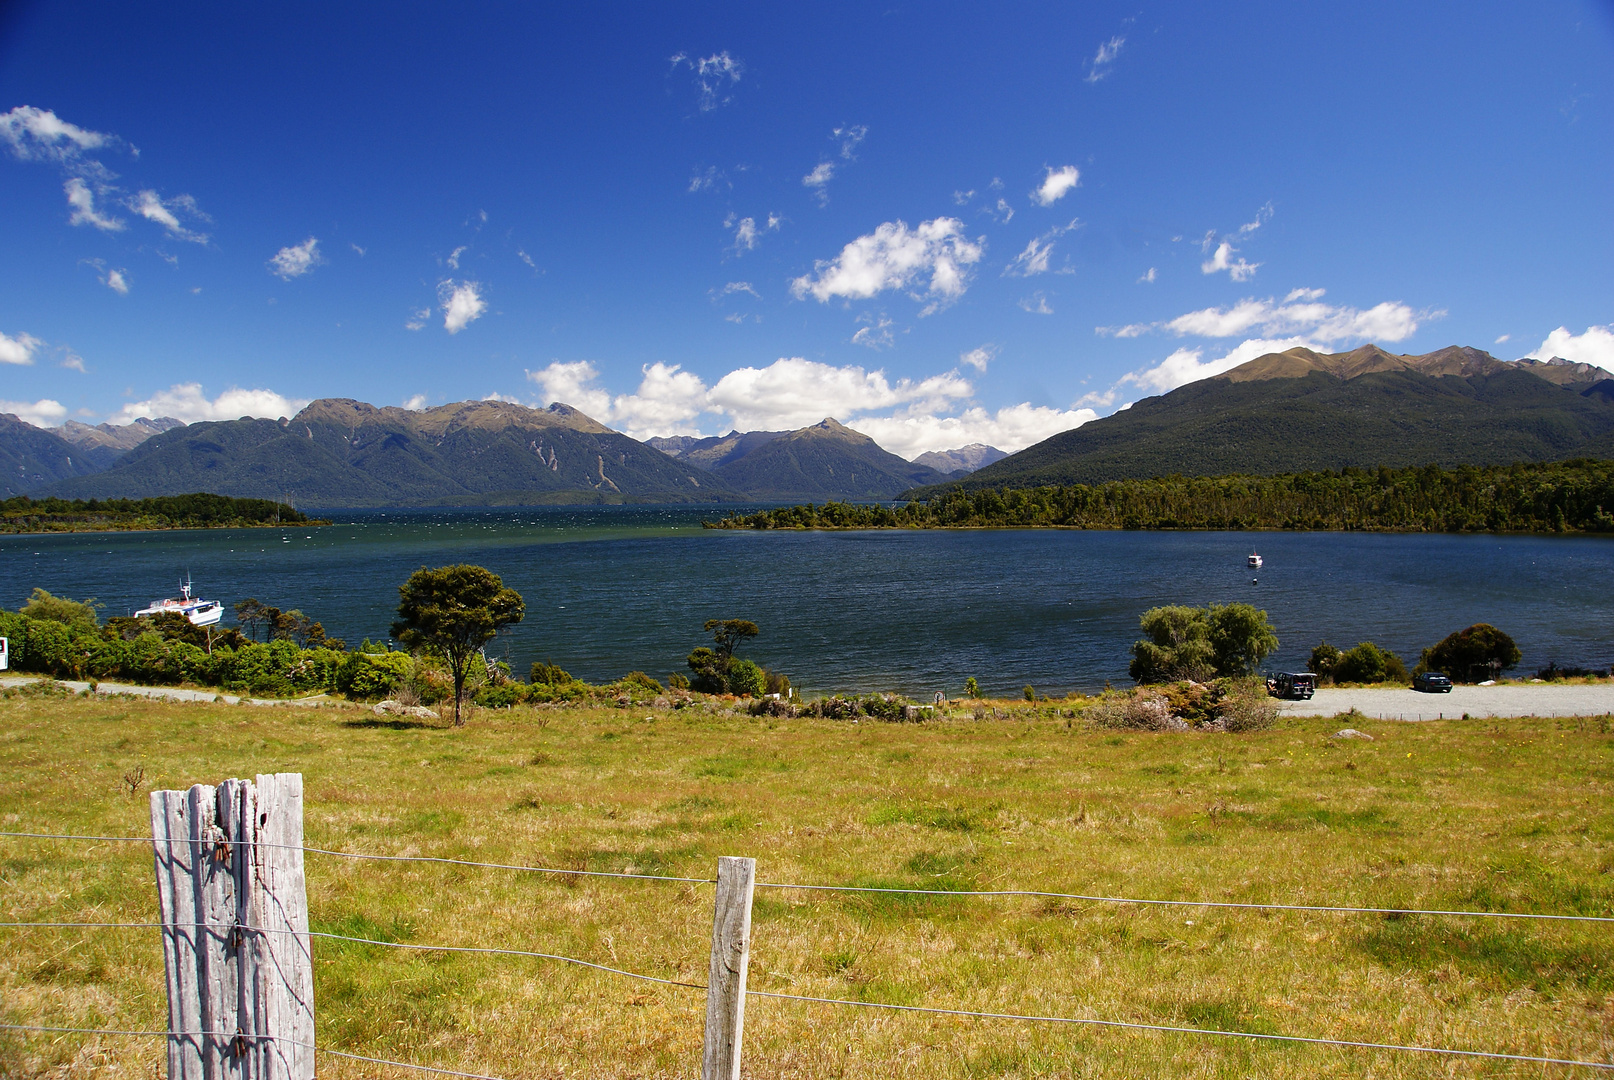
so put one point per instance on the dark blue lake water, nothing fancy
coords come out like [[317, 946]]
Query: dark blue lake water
[[615, 589]]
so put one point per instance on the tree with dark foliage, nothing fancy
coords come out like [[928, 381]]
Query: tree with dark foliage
[[455, 610]]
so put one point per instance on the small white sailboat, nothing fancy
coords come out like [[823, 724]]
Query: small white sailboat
[[1254, 561], [199, 612]]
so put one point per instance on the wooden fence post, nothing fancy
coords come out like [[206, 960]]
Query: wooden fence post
[[234, 906], [731, 954]]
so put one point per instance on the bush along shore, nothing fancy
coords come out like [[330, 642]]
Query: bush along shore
[[1569, 496], [198, 511]]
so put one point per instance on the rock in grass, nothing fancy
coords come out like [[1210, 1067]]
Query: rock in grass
[[398, 708], [1352, 733]]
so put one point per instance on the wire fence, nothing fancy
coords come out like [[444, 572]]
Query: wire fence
[[800, 998]]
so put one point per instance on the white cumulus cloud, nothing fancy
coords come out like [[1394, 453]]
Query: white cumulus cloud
[[42, 413], [1189, 365], [978, 358], [461, 302], [896, 257], [187, 402], [1595, 346], [117, 282], [296, 260], [40, 135], [1055, 185], [1237, 269], [19, 349], [1011, 428]]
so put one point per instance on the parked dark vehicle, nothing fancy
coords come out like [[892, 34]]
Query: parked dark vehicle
[[1296, 686], [1431, 682]]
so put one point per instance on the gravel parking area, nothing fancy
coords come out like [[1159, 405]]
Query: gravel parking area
[[1536, 699]]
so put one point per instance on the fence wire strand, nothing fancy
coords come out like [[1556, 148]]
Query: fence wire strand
[[1136, 1026], [231, 1035], [1339, 909]]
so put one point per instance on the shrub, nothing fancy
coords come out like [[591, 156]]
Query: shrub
[[1029, 693], [1140, 710], [546, 674], [1367, 663], [79, 615], [778, 683], [1479, 652], [49, 648], [676, 681], [641, 680], [372, 675], [746, 679], [972, 688], [501, 696], [711, 675]]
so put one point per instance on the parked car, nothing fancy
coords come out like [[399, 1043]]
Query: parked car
[[1295, 685], [1431, 682]]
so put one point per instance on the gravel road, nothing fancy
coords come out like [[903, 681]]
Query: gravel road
[[168, 693], [1535, 699]]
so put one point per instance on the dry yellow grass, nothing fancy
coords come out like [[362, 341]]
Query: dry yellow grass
[[1506, 815]]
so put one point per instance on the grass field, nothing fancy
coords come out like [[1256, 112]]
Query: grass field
[[1498, 815]]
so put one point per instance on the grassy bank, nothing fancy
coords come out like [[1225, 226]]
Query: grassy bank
[[1500, 815]]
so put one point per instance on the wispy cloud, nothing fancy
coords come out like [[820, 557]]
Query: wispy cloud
[[715, 76], [1149, 276], [117, 282], [1036, 304], [152, 207], [896, 257], [453, 259], [296, 260], [1237, 269], [81, 199], [876, 334], [417, 319], [848, 136], [461, 302], [736, 287], [1056, 185], [1034, 259], [709, 179], [1099, 66], [747, 233]]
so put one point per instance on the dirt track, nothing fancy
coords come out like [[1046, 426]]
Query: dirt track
[[1536, 699]]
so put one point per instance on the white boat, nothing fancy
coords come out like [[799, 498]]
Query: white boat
[[1254, 560], [199, 612]]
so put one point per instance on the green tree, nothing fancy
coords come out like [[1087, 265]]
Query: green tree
[[1481, 650], [729, 633], [972, 688], [1323, 660], [1178, 646], [1367, 663], [74, 614], [455, 610], [1241, 636], [1201, 643]]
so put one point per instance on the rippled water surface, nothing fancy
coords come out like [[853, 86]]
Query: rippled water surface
[[615, 589]]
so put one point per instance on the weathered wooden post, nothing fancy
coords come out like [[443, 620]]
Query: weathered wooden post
[[235, 930], [731, 954]]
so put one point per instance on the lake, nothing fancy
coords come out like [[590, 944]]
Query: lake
[[615, 589]]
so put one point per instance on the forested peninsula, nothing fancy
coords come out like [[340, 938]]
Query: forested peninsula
[[1569, 496], [198, 511]]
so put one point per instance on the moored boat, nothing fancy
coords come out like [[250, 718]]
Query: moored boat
[[1254, 560], [199, 612]]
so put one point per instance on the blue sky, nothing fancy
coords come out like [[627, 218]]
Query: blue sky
[[941, 223]]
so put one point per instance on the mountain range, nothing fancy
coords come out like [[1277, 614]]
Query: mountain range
[[339, 452], [1297, 410]]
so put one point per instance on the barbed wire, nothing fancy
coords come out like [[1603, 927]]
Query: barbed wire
[[1137, 1026], [232, 1035], [1032, 893]]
